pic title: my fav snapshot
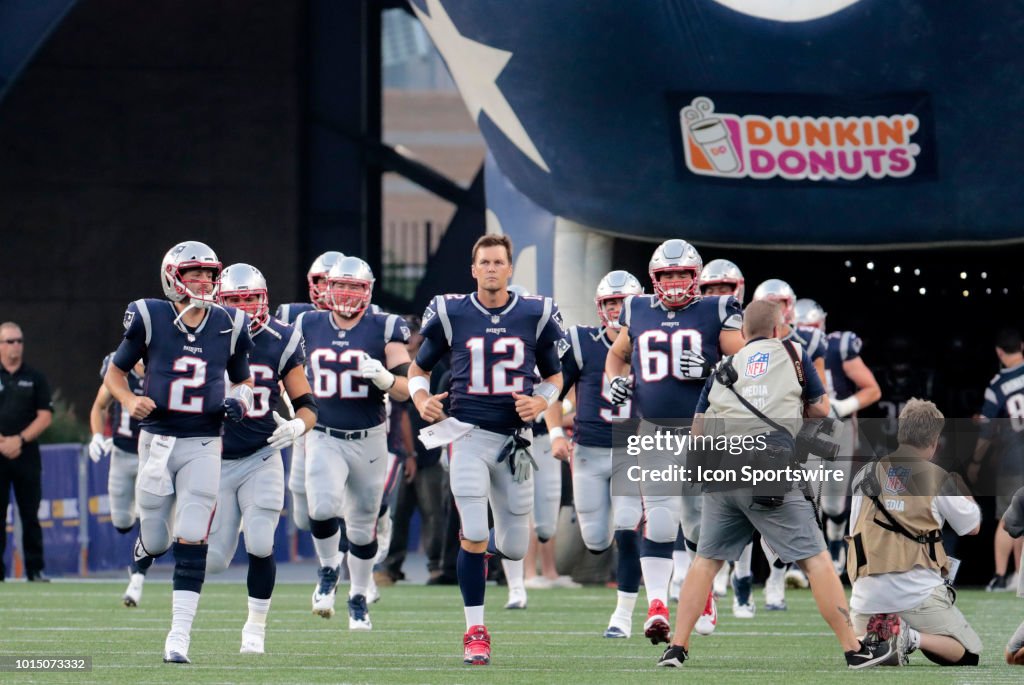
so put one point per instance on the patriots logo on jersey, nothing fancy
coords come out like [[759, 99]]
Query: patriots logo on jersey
[[129, 316], [557, 318], [896, 480], [562, 346], [757, 365], [428, 314], [404, 330]]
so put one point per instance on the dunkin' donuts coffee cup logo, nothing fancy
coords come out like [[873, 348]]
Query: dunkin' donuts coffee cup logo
[[797, 148]]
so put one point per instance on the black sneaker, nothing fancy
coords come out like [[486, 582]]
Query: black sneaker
[[674, 657], [999, 583], [38, 577], [870, 654]]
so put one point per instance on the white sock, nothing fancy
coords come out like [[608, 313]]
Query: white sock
[[624, 606], [513, 574], [742, 569], [657, 573], [183, 610], [258, 610], [327, 550], [360, 573], [680, 564], [915, 638], [474, 616]]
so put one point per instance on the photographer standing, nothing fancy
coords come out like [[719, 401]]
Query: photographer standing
[[902, 578], [780, 380]]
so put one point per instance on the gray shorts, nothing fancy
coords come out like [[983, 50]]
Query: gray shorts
[[729, 519]]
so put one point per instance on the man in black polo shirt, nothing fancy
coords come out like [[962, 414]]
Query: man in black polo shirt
[[25, 412]]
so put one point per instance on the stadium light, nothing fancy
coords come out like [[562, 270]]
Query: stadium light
[[853, 279], [963, 276], [895, 288], [896, 269], [870, 265], [922, 291]]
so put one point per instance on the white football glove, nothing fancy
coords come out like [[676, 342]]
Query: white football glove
[[287, 432], [843, 408], [373, 370], [621, 390], [694, 365], [99, 446]]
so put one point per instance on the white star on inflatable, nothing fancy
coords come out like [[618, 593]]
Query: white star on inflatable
[[475, 68]]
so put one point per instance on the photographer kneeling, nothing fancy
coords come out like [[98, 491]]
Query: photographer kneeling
[[902, 578], [780, 379]]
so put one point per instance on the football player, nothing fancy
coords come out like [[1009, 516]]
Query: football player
[[591, 452], [1004, 399], [851, 386], [316, 278], [356, 357], [722, 277], [670, 340], [814, 343], [123, 448], [251, 494], [189, 344], [496, 339]]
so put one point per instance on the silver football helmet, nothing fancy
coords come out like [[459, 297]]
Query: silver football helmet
[[675, 255], [243, 280], [318, 270], [190, 254], [723, 272], [349, 286], [809, 313], [777, 290], [615, 285], [518, 290]]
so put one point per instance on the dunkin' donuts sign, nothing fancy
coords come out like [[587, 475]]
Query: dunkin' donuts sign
[[798, 148]]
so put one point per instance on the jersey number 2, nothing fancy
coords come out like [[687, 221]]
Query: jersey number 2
[[180, 386]]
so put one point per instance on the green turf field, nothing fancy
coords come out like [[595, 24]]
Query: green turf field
[[417, 639]]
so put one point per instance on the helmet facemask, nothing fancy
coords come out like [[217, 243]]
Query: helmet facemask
[[258, 309], [348, 296], [318, 290], [675, 293], [607, 321], [200, 293]]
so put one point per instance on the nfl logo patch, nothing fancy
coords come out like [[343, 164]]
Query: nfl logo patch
[[757, 365], [896, 481]]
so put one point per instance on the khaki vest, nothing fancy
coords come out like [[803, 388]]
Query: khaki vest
[[768, 380], [906, 488]]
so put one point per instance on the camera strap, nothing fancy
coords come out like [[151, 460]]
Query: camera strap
[[797, 364], [755, 411], [870, 488]]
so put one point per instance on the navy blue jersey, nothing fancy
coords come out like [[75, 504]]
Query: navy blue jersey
[[583, 366], [185, 366], [125, 429], [494, 353], [1004, 399], [277, 349], [842, 347], [660, 335], [288, 313], [345, 400], [812, 340]]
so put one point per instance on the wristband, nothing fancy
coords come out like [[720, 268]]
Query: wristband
[[417, 383], [546, 390], [556, 432]]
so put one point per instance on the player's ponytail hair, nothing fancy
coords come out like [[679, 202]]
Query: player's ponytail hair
[[492, 240]]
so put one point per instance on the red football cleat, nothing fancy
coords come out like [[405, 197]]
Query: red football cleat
[[477, 642], [656, 627]]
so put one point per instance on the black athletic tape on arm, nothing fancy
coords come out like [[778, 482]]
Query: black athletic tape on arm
[[306, 401], [401, 369]]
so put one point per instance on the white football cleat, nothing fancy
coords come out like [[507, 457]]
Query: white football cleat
[[252, 638], [516, 598], [539, 583], [743, 610], [323, 594], [358, 614], [796, 579], [709, 618], [775, 590], [176, 648], [133, 594], [721, 585]]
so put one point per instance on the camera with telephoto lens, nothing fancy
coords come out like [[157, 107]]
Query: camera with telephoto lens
[[815, 437]]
